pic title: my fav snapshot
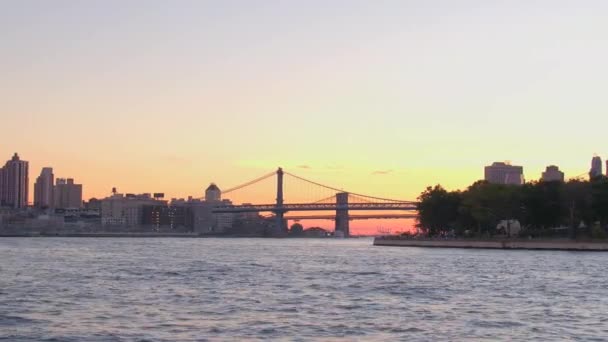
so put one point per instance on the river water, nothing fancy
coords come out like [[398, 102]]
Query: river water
[[169, 289]]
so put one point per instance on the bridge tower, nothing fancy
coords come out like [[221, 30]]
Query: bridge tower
[[342, 218], [279, 212]]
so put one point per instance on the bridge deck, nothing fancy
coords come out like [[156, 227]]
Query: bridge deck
[[405, 206], [351, 217]]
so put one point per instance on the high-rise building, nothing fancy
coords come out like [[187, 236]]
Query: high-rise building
[[504, 173], [552, 174], [1, 186], [596, 167], [44, 191], [67, 194], [213, 193], [14, 189]]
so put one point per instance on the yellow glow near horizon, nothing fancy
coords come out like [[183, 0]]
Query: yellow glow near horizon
[[383, 99]]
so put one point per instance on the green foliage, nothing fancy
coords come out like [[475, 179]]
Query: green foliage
[[597, 232], [437, 210], [540, 207]]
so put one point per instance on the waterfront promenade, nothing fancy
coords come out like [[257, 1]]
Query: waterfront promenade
[[561, 244]]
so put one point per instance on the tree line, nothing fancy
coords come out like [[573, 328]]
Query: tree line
[[575, 209]]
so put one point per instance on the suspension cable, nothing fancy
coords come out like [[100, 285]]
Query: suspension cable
[[339, 190], [249, 183]]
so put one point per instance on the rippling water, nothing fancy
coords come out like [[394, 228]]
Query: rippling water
[[77, 289]]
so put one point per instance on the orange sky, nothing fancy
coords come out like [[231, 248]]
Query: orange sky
[[377, 99]]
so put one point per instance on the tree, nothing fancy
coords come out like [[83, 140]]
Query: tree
[[599, 199], [437, 210], [576, 197], [484, 205], [296, 229], [542, 204]]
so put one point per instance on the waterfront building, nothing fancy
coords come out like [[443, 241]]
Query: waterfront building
[[225, 220], [14, 186], [1, 187], [172, 217], [93, 204], [204, 221], [213, 193], [596, 167], [44, 190], [552, 174], [68, 194], [126, 210], [504, 173]]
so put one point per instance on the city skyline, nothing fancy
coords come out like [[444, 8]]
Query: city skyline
[[246, 169], [200, 191], [395, 97], [65, 194]]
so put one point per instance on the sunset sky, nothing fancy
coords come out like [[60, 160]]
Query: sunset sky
[[377, 97]]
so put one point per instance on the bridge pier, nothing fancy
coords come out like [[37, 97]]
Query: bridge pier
[[280, 226], [342, 219]]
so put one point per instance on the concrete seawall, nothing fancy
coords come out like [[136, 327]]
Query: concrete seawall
[[557, 245]]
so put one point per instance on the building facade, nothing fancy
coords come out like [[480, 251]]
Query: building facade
[[126, 210], [171, 217], [44, 189], [14, 187], [504, 173], [213, 193], [552, 174], [67, 194]]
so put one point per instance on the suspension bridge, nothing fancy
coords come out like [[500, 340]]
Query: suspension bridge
[[318, 197]]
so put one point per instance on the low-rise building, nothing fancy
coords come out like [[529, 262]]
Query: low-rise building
[[170, 217], [126, 210]]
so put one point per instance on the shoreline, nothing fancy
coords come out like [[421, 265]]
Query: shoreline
[[151, 235], [548, 245], [101, 235]]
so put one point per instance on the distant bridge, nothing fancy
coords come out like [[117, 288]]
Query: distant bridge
[[313, 207], [340, 201], [351, 217]]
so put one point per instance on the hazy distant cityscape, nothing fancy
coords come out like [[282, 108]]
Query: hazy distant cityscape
[[58, 206]]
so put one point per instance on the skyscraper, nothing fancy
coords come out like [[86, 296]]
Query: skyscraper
[[596, 167], [67, 194], [15, 183], [44, 189]]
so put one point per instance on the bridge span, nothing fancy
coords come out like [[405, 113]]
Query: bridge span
[[351, 217], [341, 202]]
